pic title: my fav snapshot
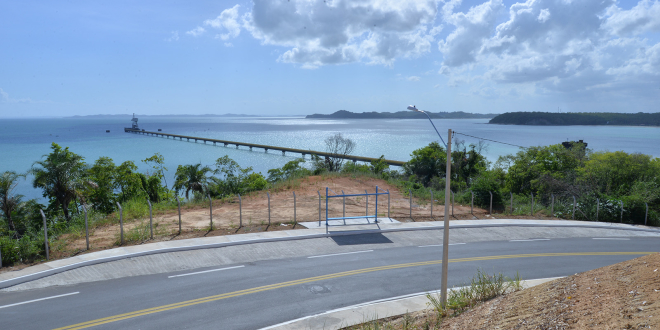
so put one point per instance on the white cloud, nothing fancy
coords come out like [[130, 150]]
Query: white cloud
[[574, 47], [196, 32], [413, 78], [4, 98], [544, 15], [340, 31], [227, 20], [174, 37], [472, 28], [644, 17]]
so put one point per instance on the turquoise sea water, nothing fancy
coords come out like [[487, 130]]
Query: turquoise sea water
[[23, 141]]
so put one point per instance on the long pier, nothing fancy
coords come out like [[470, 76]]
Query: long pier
[[262, 146]]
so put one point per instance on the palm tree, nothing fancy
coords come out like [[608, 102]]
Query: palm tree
[[61, 175], [191, 177], [9, 202]]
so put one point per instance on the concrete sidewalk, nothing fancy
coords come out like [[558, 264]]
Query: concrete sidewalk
[[351, 315], [8, 279]]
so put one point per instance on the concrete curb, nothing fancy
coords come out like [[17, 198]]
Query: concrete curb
[[351, 315], [38, 271]]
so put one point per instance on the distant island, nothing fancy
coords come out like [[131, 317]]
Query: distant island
[[577, 118], [343, 114]]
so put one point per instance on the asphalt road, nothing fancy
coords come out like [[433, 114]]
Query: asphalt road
[[259, 294]]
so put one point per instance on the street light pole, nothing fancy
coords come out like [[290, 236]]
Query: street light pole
[[445, 239]]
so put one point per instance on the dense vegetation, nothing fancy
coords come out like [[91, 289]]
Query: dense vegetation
[[577, 118], [622, 183], [343, 114]]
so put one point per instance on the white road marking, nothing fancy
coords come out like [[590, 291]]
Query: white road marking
[[338, 254], [613, 238], [206, 271], [31, 301], [529, 240], [440, 245]]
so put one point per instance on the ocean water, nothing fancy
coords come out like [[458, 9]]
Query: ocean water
[[24, 141]]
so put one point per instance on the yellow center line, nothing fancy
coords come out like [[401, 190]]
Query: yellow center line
[[192, 302]]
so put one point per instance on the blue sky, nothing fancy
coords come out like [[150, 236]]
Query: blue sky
[[279, 57]]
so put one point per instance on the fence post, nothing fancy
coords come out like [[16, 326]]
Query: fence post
[[452, 203], [366, 205], [45, 233], [432, 200], [84, 207], [552, 208], [388, 203], [178, 203], [121, 223], [240, 211], [532, 210], [295, 220], [574, 203], [319, 192], [410, 196], [343, 206], [376, 206], [472, 203], [491, 203], [268, 194], [210, 211], [646, 217], [597, 208], [511, 201], [151, 220], [621, 211]]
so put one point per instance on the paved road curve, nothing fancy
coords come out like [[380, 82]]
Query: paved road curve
[[263, 293]]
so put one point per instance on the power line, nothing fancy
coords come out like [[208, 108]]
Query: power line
[[476, 137]]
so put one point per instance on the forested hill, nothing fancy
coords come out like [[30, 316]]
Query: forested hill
[[343, 114], [580, 118]]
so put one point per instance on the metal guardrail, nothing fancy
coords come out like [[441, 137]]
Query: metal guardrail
[[265, 147]]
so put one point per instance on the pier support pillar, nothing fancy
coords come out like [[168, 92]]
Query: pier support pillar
[[283, 153], [237, 146], [266, 150], [250, 148], [213, 142], [225, 144]]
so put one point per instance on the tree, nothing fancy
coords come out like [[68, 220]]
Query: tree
[[427, 162], [191, 177], [104, 174], [158, 165], [537, 169], [8, 201], [129, 181], [339, 147], [289, 170], [235, 179], [61, 176]]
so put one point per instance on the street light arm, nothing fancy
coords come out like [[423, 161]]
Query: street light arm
[[436, 130]]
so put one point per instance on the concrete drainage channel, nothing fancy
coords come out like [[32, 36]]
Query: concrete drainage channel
[[499, 229]]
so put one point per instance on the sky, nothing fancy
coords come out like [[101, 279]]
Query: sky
[[297, 57]]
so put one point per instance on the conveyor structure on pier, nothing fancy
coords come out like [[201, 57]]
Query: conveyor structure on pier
[[284, 150]]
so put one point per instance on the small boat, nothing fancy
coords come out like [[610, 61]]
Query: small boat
[[107, 131]]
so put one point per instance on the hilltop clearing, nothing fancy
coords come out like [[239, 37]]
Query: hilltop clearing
[[195, 220]]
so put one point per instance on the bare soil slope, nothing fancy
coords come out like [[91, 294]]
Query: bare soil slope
[[621, 296]]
